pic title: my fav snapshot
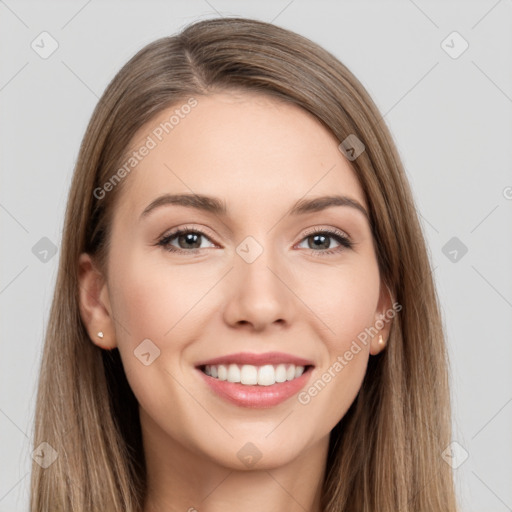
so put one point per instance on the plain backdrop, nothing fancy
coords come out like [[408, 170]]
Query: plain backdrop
[[449, 109]]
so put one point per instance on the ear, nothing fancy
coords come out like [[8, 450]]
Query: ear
[[95, 304], [382, 320]]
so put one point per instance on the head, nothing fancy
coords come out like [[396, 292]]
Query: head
[[263, 131]]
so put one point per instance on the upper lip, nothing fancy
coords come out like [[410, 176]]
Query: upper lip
[[257, 359]]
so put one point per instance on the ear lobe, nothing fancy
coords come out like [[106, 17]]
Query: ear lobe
[[94, 303], [382, 322]]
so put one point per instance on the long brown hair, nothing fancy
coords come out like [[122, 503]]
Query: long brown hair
[[385, 453]]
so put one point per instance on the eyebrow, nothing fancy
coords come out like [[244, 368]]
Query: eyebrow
[[216, 206]]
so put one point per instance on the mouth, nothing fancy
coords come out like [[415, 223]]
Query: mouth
[[252, 375], [255, 380], [257, 387]]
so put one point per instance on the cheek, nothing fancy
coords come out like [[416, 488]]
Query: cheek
[[141, 307], [158, 302], [351, 316], [344, 301], [151, 299], [343, 298], [335, 385], [150, 302]]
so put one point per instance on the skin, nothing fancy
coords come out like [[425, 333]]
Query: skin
[[260, 156]]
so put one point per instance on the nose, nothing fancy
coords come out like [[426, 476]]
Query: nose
[[260, 294]]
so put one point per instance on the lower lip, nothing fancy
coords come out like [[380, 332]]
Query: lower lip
[[257, 396]]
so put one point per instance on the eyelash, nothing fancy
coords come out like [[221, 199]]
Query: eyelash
[[342, 239]]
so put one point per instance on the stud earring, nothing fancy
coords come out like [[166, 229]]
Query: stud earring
[[381, 341], [100, 334]]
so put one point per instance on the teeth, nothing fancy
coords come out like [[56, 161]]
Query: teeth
[[280, 373], [222, 372], [250, 375], [233, 373]]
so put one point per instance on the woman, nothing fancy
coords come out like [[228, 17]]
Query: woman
[[292, 357]]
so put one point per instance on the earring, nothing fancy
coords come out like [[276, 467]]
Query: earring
[[381, 341], [100, 334]]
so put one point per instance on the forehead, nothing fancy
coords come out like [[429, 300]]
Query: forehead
[[251, 150]]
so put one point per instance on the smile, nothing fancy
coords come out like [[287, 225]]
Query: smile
[[250, 375], [253, 386]]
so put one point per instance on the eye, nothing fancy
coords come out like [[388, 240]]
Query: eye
[[320, 239], [189, 240]]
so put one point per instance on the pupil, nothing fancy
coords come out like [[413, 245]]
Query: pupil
[[318, 237], [190, 238]]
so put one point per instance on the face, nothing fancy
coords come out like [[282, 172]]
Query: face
[[257, 278]]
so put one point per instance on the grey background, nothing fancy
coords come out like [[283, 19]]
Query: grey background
[[450, 117]]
